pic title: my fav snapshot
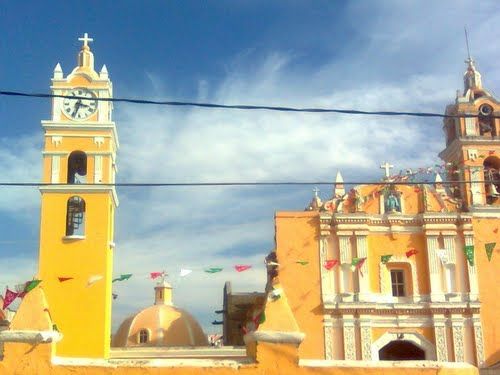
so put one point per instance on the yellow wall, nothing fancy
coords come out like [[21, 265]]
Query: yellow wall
[[82, 313], [398, 244], [489, 281], [297, 238]]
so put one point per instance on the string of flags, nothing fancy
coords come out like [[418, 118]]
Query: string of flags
[[21, 291]]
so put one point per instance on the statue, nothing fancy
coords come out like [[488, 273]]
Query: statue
[[392, 203]]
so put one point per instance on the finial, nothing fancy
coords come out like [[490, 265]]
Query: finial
[[339, 185], [387, 168], [85, 39], [58, 72]]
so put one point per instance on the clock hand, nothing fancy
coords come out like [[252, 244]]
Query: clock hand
[[77, 107]]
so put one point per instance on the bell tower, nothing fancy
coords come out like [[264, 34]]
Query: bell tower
[[472, 150], [77, 208]]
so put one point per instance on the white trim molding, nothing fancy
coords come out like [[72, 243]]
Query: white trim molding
[[30, 337], [413, 337], [275, 337]]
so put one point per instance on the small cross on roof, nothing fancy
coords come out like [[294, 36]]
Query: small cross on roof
[[85, 39]]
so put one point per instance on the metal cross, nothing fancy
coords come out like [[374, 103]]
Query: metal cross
[[387, 168], [316, 191], [86, 39]]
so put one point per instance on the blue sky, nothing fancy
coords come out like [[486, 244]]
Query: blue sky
[[384, 55]]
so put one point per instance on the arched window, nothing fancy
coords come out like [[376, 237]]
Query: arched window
[[492, 178], [77, 167], [75, 216], [401, 350], [486, 121], [143, 336]]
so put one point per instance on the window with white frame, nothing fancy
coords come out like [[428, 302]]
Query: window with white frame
[[398, 283]]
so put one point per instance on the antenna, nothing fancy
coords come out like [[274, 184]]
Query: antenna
[[467, 42]]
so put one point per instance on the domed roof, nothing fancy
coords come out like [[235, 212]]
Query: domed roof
[[160, 325]]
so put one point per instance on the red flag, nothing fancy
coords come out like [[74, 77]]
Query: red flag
[[10, 296], [62, 279], [416, 190], [411, 252], [491, 152], [330, 263], [495, 230], [155, 275], [241, 267]]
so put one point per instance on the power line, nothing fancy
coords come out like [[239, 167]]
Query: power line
[[269, 183], [245, 107]]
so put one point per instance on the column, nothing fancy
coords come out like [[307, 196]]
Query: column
[[440, 335], [478, 339], [471, 270], [457, 328], [348, 324], [476, 188], [366, 338], [450, 267], [97, 169], [434, 268], [328, 332], [55, 169], [362, 252], [345, 253]]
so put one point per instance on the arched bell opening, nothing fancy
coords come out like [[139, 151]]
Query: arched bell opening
[[401, 350], [77, 167], [486, 121], [492, 179]]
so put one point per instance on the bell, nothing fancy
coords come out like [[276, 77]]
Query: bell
[[493, 191]]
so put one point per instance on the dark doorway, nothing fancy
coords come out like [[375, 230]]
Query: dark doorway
[[401, 350]]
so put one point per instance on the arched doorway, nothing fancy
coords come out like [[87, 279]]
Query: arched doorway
[[401, 350]]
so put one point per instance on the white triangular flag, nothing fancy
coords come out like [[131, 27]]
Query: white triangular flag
[[442, 255], [185, 272], [93, 279]]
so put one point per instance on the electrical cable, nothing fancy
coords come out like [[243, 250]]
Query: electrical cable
[[269, 183], [246, 107]]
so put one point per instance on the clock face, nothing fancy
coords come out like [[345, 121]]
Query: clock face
[[80, 109]]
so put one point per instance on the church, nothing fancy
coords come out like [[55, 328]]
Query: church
[[391, 277]]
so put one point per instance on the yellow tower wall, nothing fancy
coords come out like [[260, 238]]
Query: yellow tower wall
[[81, 312]]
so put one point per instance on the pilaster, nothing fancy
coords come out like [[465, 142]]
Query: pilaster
[[478, 339], [345, 253], [348, 324], [471, 269], [328, 333], [362, 252], [366, 338], [457, 327], [440, 337], [434, 268]]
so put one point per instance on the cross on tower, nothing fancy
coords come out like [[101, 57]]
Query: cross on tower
[[316, 191], [86, 40], [387, 168]]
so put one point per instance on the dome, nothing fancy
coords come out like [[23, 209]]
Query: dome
[[160, 325]]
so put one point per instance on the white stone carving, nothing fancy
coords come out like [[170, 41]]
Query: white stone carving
[[472, 154], [56, 140], [415, 338], [458, 341], [328, 332], [366, 343], [442, 347], [99, 141], [349, 342], [362, 252], [478, 338], [473, 285]]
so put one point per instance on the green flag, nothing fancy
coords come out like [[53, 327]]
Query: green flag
[[30, 285], [123, 277], [213, 269], [385, 258], [262, 317], [469, 254], [489, 249], [302, 262]]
